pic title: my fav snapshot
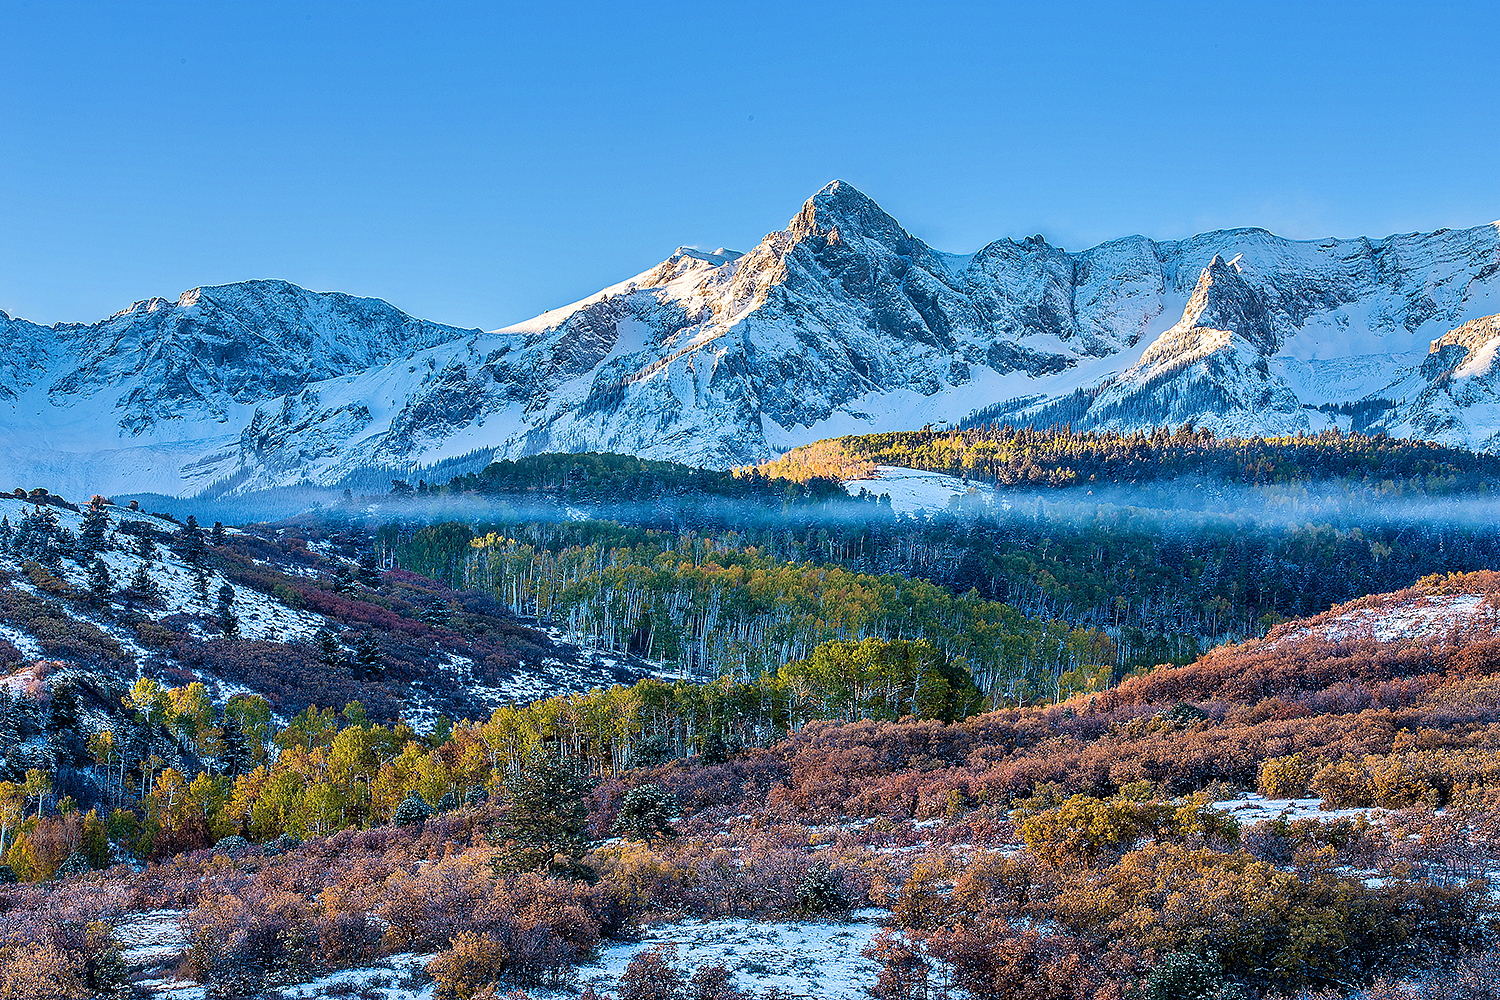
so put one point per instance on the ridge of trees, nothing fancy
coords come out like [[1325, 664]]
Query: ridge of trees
[[1058, 456], [611, 478]]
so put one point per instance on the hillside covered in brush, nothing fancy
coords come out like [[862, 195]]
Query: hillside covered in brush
[[1315, 810]]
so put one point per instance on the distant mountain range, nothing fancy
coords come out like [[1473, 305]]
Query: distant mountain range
[[840, 323]]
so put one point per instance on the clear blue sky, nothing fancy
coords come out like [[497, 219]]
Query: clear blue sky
[[475, 164]]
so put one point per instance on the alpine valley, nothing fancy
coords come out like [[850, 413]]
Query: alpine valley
[[840, 323]]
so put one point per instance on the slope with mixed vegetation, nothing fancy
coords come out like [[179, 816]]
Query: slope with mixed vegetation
[[1161, 587], [1089, 849]]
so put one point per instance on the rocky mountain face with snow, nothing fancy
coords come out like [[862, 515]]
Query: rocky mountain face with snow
[[840, 323]]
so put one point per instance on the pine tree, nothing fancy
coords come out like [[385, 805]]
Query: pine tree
[[236, 759], [101, 584], [368, 661], [35, 536], [63, 716], [10, 729], [646, 812], [715, 749], [193, 550], [343, 581], [76, 863], [411, 812], [218, 537], [545, 826], [651, 751], [93, 533], [436, 612], [369, 569], [61, 544], [225, 597], [7, 534], [330, 653], [145, 547], [143, 584]]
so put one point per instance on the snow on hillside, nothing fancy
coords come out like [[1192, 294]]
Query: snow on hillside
[[1420, 618], [260, 616], [913, 491]]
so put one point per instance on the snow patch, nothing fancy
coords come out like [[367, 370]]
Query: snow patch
[[800, 957]]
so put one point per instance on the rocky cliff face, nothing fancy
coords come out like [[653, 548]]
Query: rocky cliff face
[[840, 323]]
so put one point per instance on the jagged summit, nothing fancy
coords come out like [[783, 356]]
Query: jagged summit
[[840, 323], [840, 211], [1224, 301]]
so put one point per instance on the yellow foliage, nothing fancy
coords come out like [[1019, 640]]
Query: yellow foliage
[[639, 874]]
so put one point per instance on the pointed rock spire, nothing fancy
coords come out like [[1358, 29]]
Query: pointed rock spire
[[1224, 300], [842, 208]]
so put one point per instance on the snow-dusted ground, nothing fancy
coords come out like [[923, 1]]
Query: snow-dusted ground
[[1427, 616], [913, 491], [25, 643], [261, 616], [152, 943], [152, 938], [399, 977], [804, 958], [1253, 808]]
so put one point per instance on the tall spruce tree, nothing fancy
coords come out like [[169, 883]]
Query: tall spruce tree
[[194, 552], [368, 661], [93, 532], [436, 612], [101, 584], [369, 569], [143, 584], [10, 728], [329, 652], [145, 547], [237, 757]]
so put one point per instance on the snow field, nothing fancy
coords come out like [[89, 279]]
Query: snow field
[[1424, 617], [913, 491], [1253, 808], [804, 958], [399, 977]]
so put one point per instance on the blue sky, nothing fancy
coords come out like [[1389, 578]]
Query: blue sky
[[476, 164]]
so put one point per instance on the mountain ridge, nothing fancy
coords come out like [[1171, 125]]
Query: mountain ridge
[[842, 322]]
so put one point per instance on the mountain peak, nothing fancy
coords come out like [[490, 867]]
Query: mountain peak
[[841, 197], [841, 211], [1224, 300]]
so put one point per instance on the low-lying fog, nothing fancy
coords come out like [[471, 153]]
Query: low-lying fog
[[911, 494]]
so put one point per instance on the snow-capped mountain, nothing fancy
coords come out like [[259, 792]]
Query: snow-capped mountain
[[160, 393], [840, 323]]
